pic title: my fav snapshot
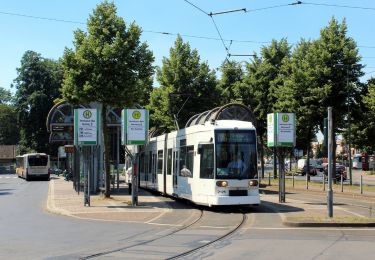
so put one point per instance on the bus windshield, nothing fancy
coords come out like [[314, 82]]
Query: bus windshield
[[38, 160], [236, 156]]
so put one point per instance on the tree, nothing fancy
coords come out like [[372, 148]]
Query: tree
[[300, 94], [336, 69], [5, 96], [363, 120], [232, 76], [259, 89], [182, 78], [109, 65], [8, 128], [37, 85]]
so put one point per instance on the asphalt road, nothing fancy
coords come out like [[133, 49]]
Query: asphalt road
[[28, 232]]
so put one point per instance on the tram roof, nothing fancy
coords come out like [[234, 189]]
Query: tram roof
[[231, 111]]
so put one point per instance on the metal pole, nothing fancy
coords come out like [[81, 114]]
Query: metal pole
[[274, 163], [330, 165], [342, 183], [349, 130], [134, 182], [293, 178], [307, 181], [324, 182], [361, 184], [118, 157]]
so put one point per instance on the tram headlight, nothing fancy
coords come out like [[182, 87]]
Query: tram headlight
[[222, 183], [253, 183]]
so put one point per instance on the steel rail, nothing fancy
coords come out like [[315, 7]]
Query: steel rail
[[144, 242], [189, 252]]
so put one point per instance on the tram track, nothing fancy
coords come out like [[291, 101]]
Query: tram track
[[107, 252], [226, 235], [174, 235]]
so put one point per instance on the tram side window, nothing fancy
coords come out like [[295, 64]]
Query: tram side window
[[150, 162], [19, 162], [142, 162], [186, 161], [207, 161], [160, 162], [169, 162]]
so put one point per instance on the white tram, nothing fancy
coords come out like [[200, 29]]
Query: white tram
[[212, 162]]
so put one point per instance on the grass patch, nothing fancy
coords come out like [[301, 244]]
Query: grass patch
[[319, 185]]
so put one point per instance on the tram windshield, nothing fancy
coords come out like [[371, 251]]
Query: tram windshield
[[236, 156]]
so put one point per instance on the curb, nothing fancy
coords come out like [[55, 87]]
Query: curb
[[51, 207], [327, 224]]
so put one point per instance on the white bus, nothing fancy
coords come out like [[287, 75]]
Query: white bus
[[33, 165], [357, 161], [198, 163]]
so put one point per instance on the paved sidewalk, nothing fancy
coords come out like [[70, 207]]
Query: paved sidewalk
[[300, 213], [62, 199]]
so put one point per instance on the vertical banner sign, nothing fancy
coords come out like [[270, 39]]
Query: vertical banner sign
[[86, 126], [271, 130], [134, 125], [281, 130]]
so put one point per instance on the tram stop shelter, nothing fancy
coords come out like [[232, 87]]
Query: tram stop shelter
[[86, 159]]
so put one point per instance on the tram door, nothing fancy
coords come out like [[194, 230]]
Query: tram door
[[153, 172], [175, 168]]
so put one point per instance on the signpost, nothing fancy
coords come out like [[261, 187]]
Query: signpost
[[281, 134], [86, 123], [134, 131]]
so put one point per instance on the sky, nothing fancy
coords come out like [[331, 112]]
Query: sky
[[47, 27]]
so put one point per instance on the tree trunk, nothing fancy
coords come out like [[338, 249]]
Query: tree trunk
[[107, 181], [308, 156]]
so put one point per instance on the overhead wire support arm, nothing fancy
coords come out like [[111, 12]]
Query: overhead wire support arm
[[241, 55], [226, 12]]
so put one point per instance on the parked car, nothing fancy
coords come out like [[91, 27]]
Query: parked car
[[340, 170], [315, 166]]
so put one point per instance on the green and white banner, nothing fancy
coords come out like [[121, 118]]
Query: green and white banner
[[86, 124], [134, 126], [281, 130]]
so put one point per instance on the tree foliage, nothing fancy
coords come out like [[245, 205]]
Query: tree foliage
[[182, 78], [5, 96], [109, 64], [8, 126], [231, 81], [37, 85]]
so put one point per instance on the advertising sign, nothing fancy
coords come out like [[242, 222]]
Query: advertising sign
[[281, 130], [85, 126], [134, 126]]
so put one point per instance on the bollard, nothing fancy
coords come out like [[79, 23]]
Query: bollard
[[293, 178], [324, 182], [360, 184], [342, 186], [307, 182], [269, 179]]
